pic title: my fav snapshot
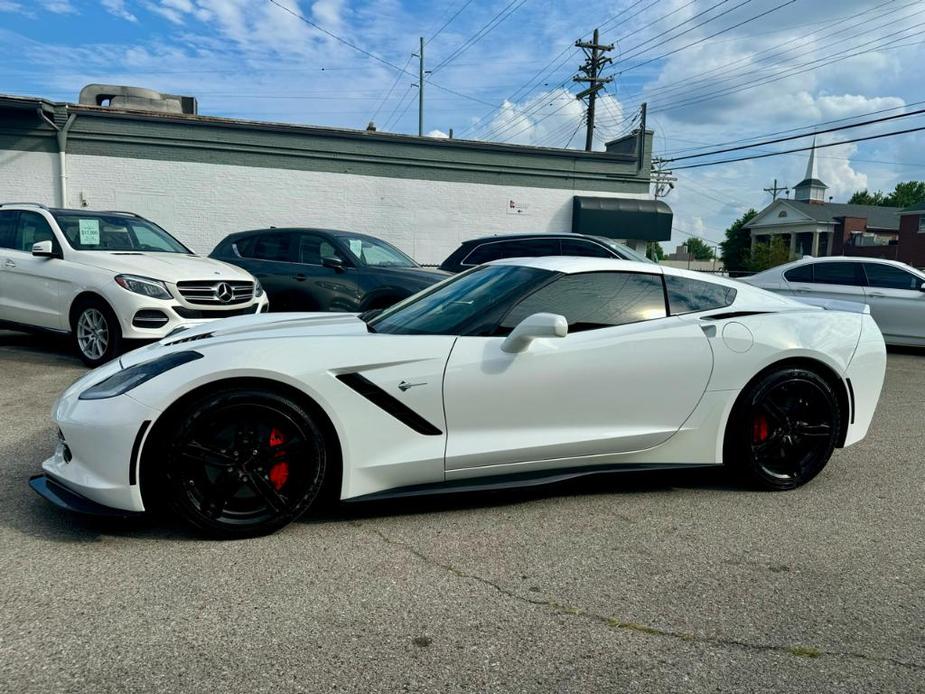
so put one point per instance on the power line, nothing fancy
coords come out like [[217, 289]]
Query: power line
[[369, 54], [707, 38], [800, 135], [789, 72], [790, 130], [449, 21], [802, 149], [398, 77], [693, 81], [694, 43], [559, 60], [486, 29]]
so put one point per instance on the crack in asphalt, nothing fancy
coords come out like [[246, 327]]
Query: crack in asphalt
[[614, 623]]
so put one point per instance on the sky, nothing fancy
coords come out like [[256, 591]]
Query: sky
[[711, 72]]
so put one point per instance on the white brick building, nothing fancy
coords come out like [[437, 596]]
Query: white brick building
[[203, 177]]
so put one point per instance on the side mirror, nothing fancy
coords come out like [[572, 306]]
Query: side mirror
[[333, 262], [44, 249], [533, 327]]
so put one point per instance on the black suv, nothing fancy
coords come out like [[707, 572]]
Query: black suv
[[325, 270], [488, 248]]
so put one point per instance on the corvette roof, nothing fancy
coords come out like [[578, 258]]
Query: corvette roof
[[747, 294]]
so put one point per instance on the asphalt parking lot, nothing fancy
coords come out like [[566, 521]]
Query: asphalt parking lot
[[659, 582]]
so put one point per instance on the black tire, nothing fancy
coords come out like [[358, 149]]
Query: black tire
[[783, 429], [95, 332], [242, 463]]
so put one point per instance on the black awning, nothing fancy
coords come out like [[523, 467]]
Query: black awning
[[622, 218]]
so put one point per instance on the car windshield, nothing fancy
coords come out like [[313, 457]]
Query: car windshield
[[115, 232], [482, 294], [375, 253], [625, 250]]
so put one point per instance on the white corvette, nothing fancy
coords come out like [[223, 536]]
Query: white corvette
[[520, 371]]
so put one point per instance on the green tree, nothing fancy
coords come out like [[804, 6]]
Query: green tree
[[862, 197], [736, 250], [767, 255], [698, 249], [905, 194], [654, 251]]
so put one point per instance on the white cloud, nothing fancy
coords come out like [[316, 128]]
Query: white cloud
[[118, 8], [438, 134], [59, 6], [10, 6]]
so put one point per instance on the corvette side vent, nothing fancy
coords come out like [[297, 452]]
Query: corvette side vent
[[384, 401]]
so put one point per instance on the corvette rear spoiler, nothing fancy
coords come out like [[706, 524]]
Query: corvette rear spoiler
[[835, 305]]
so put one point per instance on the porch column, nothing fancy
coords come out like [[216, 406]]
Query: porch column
[[793, 245], [815, 244], [754, 240]]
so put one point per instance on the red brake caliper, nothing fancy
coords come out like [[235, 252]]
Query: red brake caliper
[[760, 428], [279, 471]]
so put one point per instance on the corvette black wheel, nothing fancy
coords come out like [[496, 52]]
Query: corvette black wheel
[[244, 463], [784, 429]]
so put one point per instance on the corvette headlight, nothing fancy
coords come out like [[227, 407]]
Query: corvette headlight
[[145, 286], [258, 288], [134, 376]]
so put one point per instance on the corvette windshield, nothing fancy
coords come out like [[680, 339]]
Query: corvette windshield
[[115, 232], [481, 295]]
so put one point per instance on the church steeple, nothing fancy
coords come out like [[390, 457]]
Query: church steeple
[[810, 189]]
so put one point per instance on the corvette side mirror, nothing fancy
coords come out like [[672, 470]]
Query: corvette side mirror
[[43, 249], [533, 327]]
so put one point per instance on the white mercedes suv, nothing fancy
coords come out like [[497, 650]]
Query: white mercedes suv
[[107, 277]]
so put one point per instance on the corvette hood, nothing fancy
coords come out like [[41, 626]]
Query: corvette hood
[[170, 267], [253, 327]]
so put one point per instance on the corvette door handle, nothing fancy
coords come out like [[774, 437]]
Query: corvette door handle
[[9, 264]]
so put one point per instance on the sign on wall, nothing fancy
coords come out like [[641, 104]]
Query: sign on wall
[[514, 207]]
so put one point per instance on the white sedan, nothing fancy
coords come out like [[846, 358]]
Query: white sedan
[[516, 372], [894, 291]]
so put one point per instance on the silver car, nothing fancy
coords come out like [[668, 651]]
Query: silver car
[[894, 291]]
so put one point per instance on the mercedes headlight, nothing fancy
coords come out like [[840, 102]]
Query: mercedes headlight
[[258, 288], [132, 377], [145, 286]]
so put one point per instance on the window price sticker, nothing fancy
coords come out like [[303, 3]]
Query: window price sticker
[[89, 232]]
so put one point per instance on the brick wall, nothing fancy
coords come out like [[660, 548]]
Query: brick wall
[[911, 242]]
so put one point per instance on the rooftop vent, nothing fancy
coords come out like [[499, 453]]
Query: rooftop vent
[[136, 99]]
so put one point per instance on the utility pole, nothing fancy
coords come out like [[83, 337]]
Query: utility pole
[[774, 190], [421, 89], [641, 139], [661, 178], [595, 60]]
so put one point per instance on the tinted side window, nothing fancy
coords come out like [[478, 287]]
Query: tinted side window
[[889, 277], [312, 248], [586, 249], [32, 228], [273, 247], [244, 247], [804, 273], [531, 248], [838, 273], [484, 253], [594, 300], [7, 228], [521, 248], [687, 295]]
